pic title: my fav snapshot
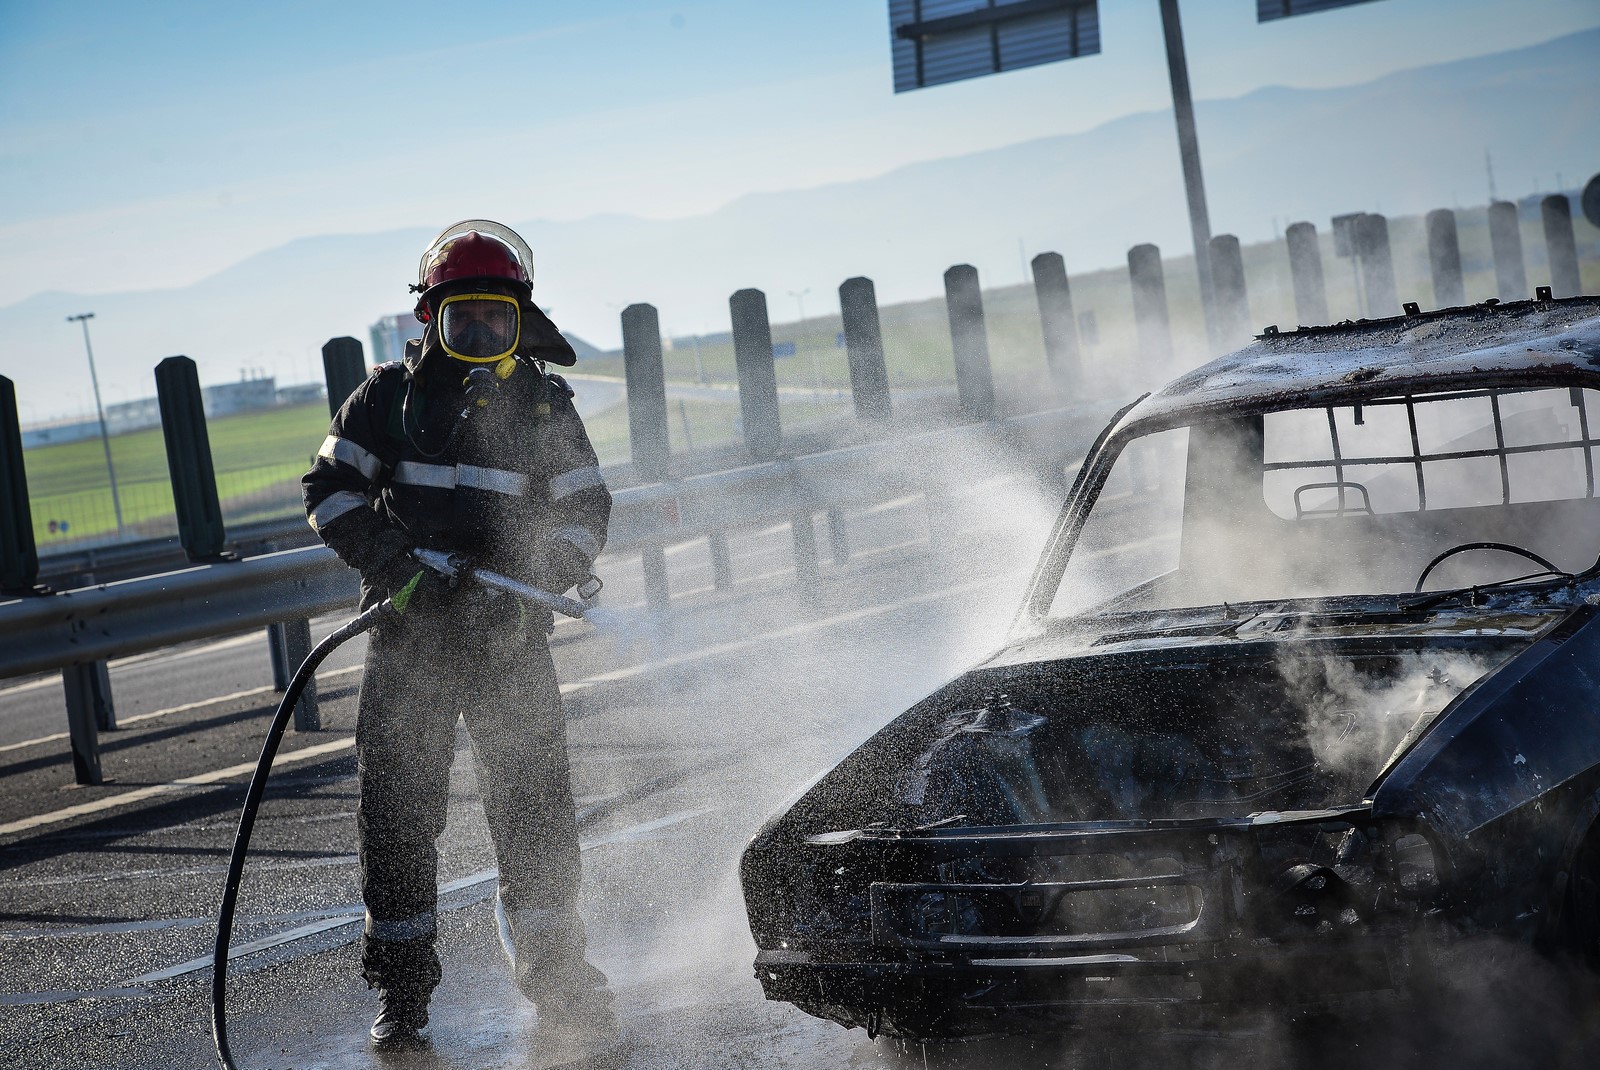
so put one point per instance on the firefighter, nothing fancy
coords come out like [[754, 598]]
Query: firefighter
[[469, 446]]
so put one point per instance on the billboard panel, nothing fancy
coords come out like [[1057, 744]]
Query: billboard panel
[[1267, 10], [938, 41]]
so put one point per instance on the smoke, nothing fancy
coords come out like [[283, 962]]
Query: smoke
[[1358, 717], [1203, 517]]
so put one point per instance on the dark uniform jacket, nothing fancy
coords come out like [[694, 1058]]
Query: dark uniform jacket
[[517, 486]]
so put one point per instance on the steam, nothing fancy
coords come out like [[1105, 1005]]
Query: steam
[[1358, 719], [1191, 512]]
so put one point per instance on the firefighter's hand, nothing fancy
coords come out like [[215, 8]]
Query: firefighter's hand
[[560, 567], [425, 591]]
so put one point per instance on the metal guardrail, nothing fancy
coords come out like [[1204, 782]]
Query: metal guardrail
[[132, 616], [71, 629]]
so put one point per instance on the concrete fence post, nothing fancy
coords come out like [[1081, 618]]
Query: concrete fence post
[[1562, 244], [1150, 305], [1059, 324], [194, 481], [1505, 238], [1377, 265], [1444, 257], [646, 378], [758, 377], [344, 367], [1228, 290], [1305, 270], [970, 340], [19, 555], [863, 341]]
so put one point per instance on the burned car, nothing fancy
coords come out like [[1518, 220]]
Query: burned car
[[1306, 686]]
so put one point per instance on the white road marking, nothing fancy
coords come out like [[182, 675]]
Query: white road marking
[[253, 692], [200, 780], [897, 503], [355, 915]]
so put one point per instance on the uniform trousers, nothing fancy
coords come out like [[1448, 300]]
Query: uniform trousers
[[422, 676]]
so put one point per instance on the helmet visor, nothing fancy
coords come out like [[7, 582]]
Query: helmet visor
[[480, 328]]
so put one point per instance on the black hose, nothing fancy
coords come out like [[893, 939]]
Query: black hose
[[247, 818]]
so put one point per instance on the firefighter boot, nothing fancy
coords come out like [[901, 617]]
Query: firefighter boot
[[577, 1026], [399, 1024], [578, 1029], [404, 972]]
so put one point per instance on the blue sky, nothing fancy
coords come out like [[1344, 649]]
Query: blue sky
[[151, 144]]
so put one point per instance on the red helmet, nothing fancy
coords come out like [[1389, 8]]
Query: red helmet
[[475, 249]]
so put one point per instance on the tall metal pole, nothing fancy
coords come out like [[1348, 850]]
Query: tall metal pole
[[105, 436], [1189, 152]]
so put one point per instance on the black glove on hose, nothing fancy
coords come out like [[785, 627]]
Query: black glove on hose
[[564, 567], [393, 572]]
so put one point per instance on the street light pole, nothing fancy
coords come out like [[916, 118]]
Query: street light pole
[[105, 437], [1194, 183]]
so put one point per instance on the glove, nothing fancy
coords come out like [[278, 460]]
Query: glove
[[424, 592], [562, 567], [410, 585]]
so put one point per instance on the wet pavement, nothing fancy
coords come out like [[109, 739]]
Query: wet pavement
[[683, 739]]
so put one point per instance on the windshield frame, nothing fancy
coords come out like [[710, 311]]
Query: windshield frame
[[1151, 414]]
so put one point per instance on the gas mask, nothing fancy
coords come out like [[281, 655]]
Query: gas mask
[[480, 328]]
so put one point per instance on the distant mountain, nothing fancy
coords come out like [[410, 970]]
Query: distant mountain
[[1407, 142]]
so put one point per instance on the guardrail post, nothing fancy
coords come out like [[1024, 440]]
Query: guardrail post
[[1505, 238], [1305, 268], [282, 671], [838, 536], [758, 378], [194, 483], [88, 691], [1562, 244], [344, 367], [863, 343], [647, 391], [1377, 265], [721, 560], [1444, 257], [1150, 305], [19, 555], [657, 595], [974, 380], [1228, 291], [1060, 325], [296, 648], [807, 570]]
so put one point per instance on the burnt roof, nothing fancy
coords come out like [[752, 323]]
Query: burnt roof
[[1520, 343]]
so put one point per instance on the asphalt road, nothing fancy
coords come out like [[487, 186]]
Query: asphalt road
[[686, 733]]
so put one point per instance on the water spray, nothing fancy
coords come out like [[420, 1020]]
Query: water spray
[[449, 566]]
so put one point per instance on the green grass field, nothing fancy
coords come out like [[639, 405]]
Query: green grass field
[[252, 453]]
